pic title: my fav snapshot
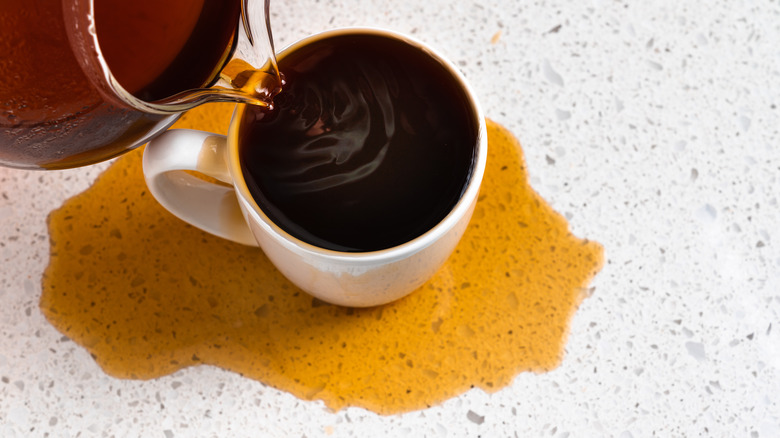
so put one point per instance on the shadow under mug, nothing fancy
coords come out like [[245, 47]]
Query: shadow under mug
[[355, 279]]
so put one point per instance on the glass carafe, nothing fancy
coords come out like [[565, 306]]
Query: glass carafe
[[68, 100]]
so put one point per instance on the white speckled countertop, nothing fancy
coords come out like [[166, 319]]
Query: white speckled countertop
[[653, 126]]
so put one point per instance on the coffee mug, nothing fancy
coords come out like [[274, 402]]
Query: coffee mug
[[227, 208]]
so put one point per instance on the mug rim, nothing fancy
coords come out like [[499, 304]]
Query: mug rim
[[461, 207]]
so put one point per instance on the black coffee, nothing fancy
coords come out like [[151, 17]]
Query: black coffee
[[370, 144]]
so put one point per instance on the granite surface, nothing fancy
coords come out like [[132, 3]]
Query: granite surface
[[652, 126]]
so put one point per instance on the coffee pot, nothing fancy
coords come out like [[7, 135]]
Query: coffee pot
[[82, 81]]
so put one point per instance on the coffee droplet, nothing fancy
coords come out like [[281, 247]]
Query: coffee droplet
[[166, 296]]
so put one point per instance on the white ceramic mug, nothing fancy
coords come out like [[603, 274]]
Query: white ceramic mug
[[357, 279]]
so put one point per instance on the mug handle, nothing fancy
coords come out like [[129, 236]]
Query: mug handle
[[211, 206]]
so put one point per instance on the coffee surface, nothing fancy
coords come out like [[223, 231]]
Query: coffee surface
[[370, 144]]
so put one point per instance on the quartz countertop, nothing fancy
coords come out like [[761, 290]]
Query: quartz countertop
[[652, 127]]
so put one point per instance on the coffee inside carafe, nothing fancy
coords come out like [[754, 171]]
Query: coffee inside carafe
[[156, 49]]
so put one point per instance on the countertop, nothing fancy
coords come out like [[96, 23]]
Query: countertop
[[652, 127]]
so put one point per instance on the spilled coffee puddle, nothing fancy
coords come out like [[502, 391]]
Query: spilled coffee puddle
[[147, 295]]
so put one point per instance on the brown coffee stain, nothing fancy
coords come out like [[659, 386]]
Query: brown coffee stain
[[147, 295]]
